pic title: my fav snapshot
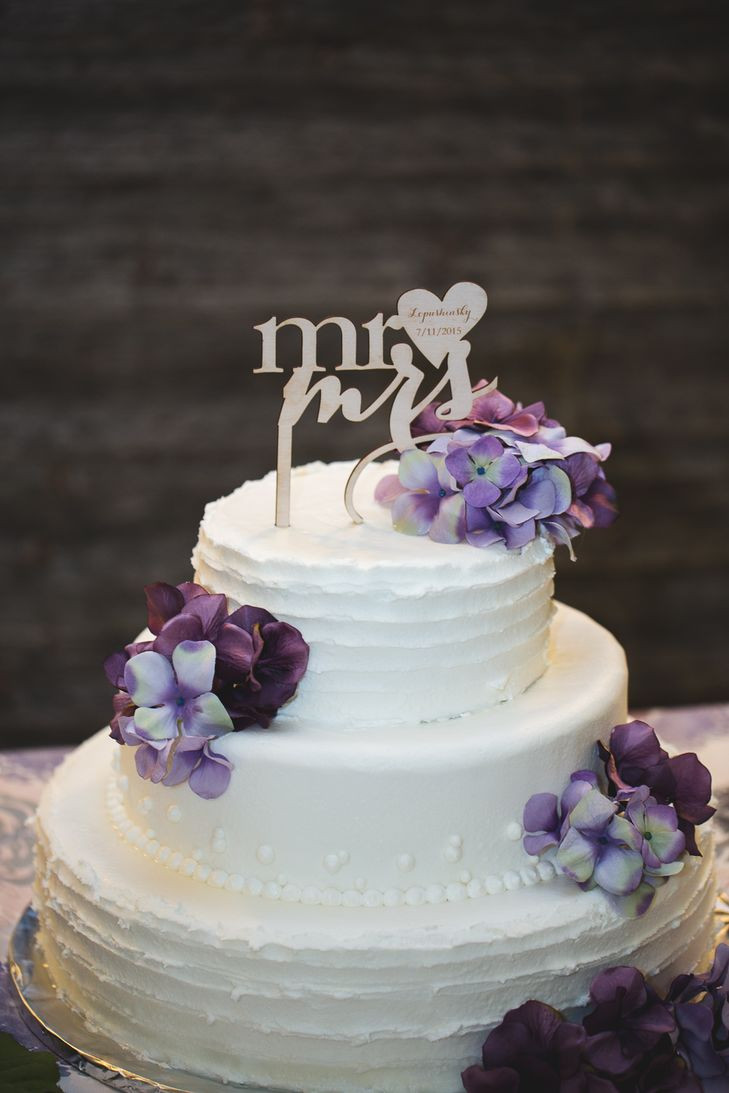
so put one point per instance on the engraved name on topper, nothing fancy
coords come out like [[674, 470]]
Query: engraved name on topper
[[435, 326]]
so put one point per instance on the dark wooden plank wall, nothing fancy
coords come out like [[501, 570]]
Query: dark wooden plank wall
[[174, 172]]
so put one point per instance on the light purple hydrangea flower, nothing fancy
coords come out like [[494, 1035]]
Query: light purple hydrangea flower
[[510, 475], [203, 675], [483, 470], [601, 848], [546, 817], [424, 498], [662, 843], [174, 698]]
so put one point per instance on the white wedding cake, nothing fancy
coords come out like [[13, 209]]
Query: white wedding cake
[[357, 908]]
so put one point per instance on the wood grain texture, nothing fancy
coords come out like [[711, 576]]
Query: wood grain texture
[[173, 173]]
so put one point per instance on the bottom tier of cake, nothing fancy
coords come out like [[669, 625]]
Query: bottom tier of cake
[[294, 997]]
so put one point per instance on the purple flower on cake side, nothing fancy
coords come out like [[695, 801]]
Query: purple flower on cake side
[[631, 1040], [546, 817], [627, 1021], [534, 1048], [601, 849], [635, 758], [203, 674], [701, 1007], [630, 843], [510, 475]]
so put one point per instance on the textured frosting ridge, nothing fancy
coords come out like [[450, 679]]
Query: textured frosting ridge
[[400, 629], [319, 998], [410, 813], [357, 908]]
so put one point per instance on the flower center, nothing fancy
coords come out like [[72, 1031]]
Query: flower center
[[603, 840], [648, 835], [441, 493], [480, 470], [180, 700]]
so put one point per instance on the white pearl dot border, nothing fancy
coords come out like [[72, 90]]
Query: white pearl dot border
[[359, 895]]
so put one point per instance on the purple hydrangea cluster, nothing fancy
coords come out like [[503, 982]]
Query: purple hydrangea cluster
[[203, 673], [631, 1040], [628, 839], [505, 474]]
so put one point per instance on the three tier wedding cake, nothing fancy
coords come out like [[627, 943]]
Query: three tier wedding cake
[[352, 809]]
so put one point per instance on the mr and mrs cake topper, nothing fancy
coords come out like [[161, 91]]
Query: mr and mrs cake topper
[[436, 327]]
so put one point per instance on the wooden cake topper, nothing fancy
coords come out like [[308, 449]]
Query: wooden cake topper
[[436, 327]]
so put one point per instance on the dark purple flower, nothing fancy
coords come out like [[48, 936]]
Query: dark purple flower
[[545, 816], [627, 1021], [601, 848], [279, 660], [701, 1007], [663, 1071], [534, 1050], [635, 758]]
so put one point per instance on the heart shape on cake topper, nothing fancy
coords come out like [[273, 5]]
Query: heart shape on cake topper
[[435, 325]]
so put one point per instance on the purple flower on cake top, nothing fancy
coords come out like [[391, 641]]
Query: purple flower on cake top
[[424, 498], [510, 475], [629, 839], [202, 675]]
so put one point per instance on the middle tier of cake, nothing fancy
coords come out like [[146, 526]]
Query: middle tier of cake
[[401, 814]]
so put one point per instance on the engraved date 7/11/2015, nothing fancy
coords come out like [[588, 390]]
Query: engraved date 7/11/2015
[[437, 331]]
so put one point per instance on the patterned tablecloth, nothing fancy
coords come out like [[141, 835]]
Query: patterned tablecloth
[[704, 729]]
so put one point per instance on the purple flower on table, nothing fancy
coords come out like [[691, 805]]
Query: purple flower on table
[[532, 1049], [425, 500], [627, 1021], [701, 1007], [601, 848], [546, 817], [483, 470], [635, 758]]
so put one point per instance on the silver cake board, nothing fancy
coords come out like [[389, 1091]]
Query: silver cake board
[[62, 1031]]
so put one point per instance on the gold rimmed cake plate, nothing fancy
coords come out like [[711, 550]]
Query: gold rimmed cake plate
[[62, 1031]]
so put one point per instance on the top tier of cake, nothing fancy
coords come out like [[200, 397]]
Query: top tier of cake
[[401, 629]]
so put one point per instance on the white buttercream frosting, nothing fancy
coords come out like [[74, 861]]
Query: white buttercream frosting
[[408, 809], [357, 909], [288, 996], [401, 629]]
